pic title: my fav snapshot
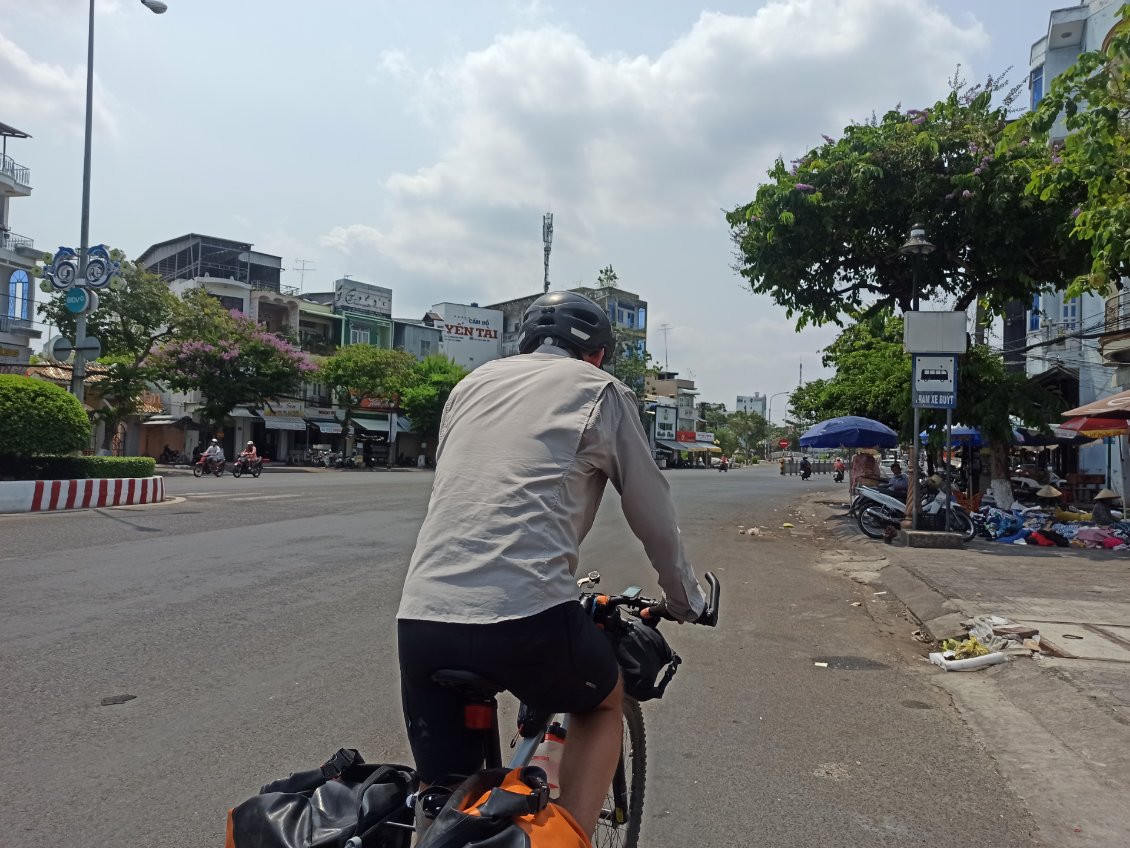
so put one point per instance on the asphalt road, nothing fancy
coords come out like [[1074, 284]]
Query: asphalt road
[[253, 621]]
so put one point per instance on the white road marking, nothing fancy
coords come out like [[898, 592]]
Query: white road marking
[[264, 497]]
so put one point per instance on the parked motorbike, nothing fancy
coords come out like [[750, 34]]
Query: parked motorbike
[[247, 465], [205, 466], [875, 511]]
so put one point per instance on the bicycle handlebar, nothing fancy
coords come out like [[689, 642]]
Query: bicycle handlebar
[[652, 610]]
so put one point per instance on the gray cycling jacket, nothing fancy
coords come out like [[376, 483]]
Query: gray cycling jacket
[[526, 446]]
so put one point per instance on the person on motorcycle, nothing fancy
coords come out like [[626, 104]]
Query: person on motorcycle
[[898, 483], [805, 468], [213, 454], [838, 468], [491, 584], [249, 453]]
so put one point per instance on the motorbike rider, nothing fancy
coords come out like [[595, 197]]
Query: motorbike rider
[[490, 587], [249, 454], [213, 454], [805, 468], [838, 468], [898, 483]]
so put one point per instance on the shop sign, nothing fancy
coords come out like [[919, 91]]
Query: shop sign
[[9, 353], [471, 335], [665, 417], [383, 404], [320, 413], [362, 297], [705, 437], [288, 408], [686, 436]]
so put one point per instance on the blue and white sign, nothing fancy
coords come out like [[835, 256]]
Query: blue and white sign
[[934, 383], [79, 300]]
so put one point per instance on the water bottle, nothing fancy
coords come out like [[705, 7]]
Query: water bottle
[[548, 757]]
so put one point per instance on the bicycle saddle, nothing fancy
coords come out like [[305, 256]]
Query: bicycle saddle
[[466, 682]]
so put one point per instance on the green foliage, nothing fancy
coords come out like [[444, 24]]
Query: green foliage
[[822, 239], [726, 438], [1092, 166], [628, 365], [606, 277], [424, 400], [360, 371], [37, 418], [749, 429], [228, 358], [76, 467]]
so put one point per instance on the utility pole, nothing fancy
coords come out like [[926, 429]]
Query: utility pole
[[547, 240], [664, 328], [800, 379], [302, 266]]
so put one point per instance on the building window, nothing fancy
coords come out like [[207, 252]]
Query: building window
[[641, 318], [1036, 85], [1034, 315], [359, 335], [425, 348], [1071, 314], [19, 295]]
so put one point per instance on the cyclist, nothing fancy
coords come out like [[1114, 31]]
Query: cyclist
[[526, 446]]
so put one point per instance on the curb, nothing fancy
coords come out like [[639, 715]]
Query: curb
[[58, 495]]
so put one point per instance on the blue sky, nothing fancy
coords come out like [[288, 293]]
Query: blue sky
[[417, 144]]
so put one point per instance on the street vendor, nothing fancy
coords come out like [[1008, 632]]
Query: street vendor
[[1049, 497], [864, 466], [1101, 513]]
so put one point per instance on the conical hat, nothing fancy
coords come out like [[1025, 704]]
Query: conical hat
[[1107, 494], [1049, 491]]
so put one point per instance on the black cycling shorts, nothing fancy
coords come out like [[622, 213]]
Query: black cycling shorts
[[557, 660]]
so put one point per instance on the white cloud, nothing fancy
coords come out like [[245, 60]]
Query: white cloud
[[635, 142], [42, 98]]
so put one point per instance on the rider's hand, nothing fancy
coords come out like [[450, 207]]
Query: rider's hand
[[656, 612]]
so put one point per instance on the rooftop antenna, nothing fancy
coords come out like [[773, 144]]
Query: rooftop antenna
[[302, 266], [547, 239], [800, 380], [665, 328]]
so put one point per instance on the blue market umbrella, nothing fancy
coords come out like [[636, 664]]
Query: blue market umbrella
[[850, 431], [959, 435]]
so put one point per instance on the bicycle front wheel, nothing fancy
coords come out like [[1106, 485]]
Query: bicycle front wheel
[[622, 814]]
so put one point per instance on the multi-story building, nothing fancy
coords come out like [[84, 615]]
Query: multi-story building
[[365, 310], [668, 384], [17, 264], [416, 337], [1062, 352], [752, 403]]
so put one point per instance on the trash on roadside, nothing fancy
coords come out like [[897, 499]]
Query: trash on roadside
[[856, 604], [955, 649], [878, 593], [786, 525], [820, 664], [972, 664], [921, 636]]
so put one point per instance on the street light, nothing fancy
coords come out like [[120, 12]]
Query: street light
[[78, 370], [918, 247], [769, 420]]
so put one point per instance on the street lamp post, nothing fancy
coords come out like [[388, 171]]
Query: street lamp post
[[78, 372], [769, 420], [917, 247]]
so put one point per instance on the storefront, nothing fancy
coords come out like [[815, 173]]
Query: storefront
[[324, 431], [284, 431], [372, 436]]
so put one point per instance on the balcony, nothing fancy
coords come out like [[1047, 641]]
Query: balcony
[[15, 179], [21, 245], [23, 326], [1114, 343]]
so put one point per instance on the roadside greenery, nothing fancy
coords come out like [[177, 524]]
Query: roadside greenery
[[39, 418], [357, 372], [76, 467], [424, 398], [822, 237]]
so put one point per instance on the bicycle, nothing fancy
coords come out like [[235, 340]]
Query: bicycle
[[622, 814]]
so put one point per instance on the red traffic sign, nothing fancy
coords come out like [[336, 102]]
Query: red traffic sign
[[784, 443]]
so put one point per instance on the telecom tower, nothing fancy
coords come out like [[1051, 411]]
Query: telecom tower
[[547, 239]]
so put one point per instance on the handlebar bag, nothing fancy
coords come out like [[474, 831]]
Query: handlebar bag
[[327, 806], [643, 653], [496, 808]]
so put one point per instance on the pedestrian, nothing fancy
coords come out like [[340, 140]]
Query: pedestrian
[[974, 470], [491, 585], [1101, 513]]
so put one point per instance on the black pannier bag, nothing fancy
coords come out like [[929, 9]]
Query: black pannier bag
[[327, 807]]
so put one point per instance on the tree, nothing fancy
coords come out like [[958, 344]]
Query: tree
[[822, 238], [135, 314], [424, 400], [1093, 98], [360, 371], [872, 377], [39, 418], [606, 277], [630, 364], [749, 429], [228, 358]]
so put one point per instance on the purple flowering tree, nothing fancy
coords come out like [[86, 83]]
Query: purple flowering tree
[[229, 359], [821, 236]]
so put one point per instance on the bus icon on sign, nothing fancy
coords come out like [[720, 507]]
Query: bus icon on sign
[[940, 375]]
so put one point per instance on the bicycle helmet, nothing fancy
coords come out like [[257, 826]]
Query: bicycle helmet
[[572, 320]]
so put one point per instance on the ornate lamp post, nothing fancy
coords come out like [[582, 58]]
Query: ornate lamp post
[[78, 373], [918, 247]]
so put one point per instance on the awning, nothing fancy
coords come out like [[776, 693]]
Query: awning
[[403, 424], [710, 447], [1115, 406], [160, 421], [325, 427], [679, 446], [371, 425], [283, 422], [243, 412]]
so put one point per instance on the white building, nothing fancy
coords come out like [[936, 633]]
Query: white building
[[1063, 333], [752, 403], [17, 265]]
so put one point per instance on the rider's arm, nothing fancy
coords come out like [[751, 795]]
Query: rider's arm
[[645, 498]]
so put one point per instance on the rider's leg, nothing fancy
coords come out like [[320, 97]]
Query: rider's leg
[[590, 757]]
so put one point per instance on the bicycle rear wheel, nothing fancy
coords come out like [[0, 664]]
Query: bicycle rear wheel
[[622, 814]]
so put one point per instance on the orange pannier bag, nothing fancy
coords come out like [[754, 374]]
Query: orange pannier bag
[[505, 809]]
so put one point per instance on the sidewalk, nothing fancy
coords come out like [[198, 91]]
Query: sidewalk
[[1059, 725]]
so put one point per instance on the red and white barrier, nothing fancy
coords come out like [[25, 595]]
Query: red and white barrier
[[51, 495]]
